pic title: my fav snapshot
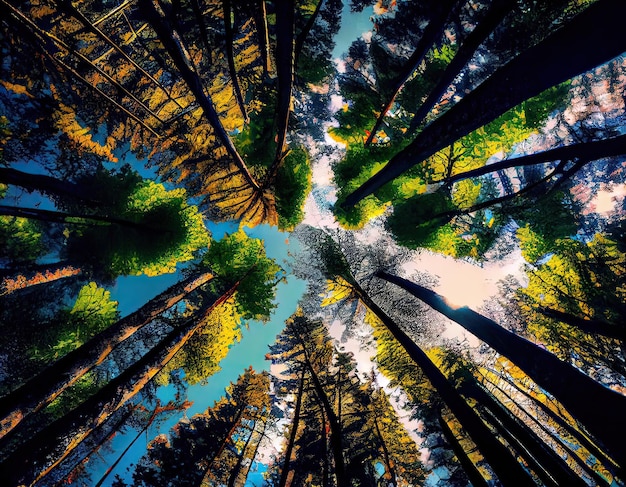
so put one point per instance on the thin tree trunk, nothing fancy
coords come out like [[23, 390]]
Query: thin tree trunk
[[472, 472], [260, 20], [174, 46], [578, 392], [561, 443], [204, 33], [301, 38], [32, 461], [333, 421], [388, 465], [234, 474], [593, 327], [58, 376], [496, 13], [586, 151], [45, 184], [579, 436], [592, 38], [549, 466], [230, 56], [431, 35], [506, 467], [52, 216], [293, 433], [285, 18], [256, 450]]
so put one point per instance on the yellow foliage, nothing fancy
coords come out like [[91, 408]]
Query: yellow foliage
[[81, 137], [337, 290]]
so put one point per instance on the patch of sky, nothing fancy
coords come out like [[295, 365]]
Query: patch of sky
[[133, 291], [353, 26]]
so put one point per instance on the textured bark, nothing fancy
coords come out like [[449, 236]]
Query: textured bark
[[285, 18], [506, 467], [34, 460], [295, 422], [580, 394], [58, 376], [592, 38]]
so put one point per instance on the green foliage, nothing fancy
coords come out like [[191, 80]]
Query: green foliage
[[293, 183], [538, 108], [92, 312], [532, 244], [167, 231], [21, 239], [73, 396], [201, 356], [240, 259], [412, 222]]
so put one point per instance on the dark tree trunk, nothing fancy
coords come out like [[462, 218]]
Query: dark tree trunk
[[593, 37], [593, 327], [333, 421], [496, 13], [472, 472], [204, 33], [260, 20], [230, 56], [579, 393], [432, 33], [388, 464], [299, 43], [292, 434], [44, 184], [173, 45], [562, 444], [58, 376], [285, 18], [234, 474], [31, 461], [52, 216], [548, 465], [506, 467], [585, 151]]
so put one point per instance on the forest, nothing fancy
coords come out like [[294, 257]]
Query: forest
[[330, 243]]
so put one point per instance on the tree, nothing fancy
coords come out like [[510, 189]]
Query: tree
[[545, 369], [203, 442], [514, 83], [244, 271]]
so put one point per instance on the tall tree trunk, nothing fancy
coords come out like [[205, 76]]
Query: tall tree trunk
[[18, 282], [506, 467], [393, 481], [234, 473], [295, 422], [579, 393], [569, 429], [260, 21], [431, 35], [52, 216], [600, 481], [549, 466], [230, 56], [174, 46], [45, 184], [31, 461], [285, 19], [299, 44], [593, 327], [592, 38], [256, 450], [586, 151], [333, 421], [472, 472], [58, 376], [496, 13]]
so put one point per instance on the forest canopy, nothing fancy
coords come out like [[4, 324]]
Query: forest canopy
[[312, 243]]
